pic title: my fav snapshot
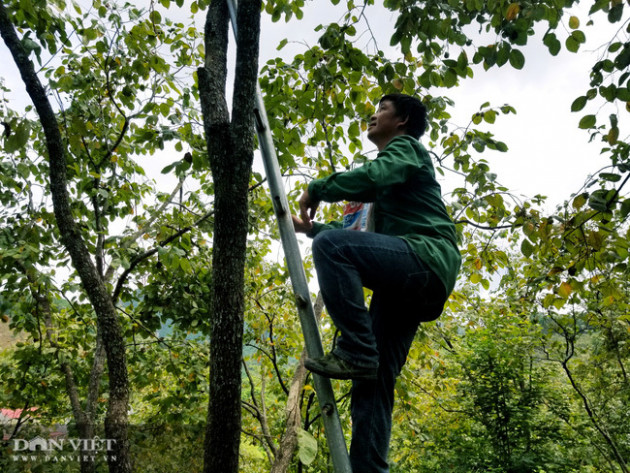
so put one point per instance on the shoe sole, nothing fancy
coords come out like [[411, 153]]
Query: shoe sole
[[343, 376]]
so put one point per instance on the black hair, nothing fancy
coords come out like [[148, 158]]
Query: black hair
[[410, 108]]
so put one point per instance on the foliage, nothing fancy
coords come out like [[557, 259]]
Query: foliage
[[527, 370]]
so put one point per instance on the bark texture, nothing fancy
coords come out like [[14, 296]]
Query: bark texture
[[116, 422], [230, 149]]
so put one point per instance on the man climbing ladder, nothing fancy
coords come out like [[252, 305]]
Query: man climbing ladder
[[410, 262]]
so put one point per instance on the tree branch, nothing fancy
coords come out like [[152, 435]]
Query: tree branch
[[592, 415], [258, 412], [138, 259], [484, 227], [273, 357]]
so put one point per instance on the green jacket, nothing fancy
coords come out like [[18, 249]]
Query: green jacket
[[407, 203]]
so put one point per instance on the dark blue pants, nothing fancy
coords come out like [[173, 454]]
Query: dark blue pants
[[405, 293]]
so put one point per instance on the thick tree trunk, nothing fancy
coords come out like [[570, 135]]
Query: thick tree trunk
[[230, 149], [116, 422]]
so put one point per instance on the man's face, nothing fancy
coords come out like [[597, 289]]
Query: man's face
[[385, 125]]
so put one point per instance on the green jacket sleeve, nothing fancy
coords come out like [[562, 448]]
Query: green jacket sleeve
[[392, 166], [321, 227]]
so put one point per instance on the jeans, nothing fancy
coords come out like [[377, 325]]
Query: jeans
[[405, 293]]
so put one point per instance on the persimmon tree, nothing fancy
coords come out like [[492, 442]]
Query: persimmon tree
[[126, 84], [113, 100]]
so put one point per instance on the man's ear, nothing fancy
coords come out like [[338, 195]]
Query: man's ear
[[403, 124]]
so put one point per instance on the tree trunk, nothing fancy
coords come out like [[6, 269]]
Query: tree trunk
[[230, 149], [116, 422]]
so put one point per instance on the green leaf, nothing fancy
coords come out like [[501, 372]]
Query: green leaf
[[579, 36], [551, 41], [559, 303], [623, 58], [19, 137], [169, 168], [490, 116], [548, 300], [614, 47], [572, 44], [527, 248], [517, 59], [578, 104], [597, 202], [405, 44], [580, 200], [609, 176], [503, 55], [450, 78], [462, 61], [501, 146], [353, 129], [489, 56], [615, 13], [608, 92], [565, 290], [395, 39], [588, 121], [155, 17], [623, 94], [185, 265], [307, 447]]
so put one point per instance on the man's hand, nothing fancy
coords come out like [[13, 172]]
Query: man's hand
[[301, 227], [308, 207]]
